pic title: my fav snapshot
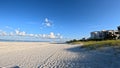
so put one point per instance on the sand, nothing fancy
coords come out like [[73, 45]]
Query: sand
[[47, 55]]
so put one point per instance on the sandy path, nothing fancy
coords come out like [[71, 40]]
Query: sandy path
[[45, 55]]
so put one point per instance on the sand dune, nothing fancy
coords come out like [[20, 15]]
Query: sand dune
[[46, 55]]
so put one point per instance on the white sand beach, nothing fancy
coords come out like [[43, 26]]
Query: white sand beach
[[46, 55]]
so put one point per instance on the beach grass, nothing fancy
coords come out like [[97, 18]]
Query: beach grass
[[99, 44]]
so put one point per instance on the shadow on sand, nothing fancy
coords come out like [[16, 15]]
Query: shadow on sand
[[11, 67], [15, 67], [92, 59], [77, 49]]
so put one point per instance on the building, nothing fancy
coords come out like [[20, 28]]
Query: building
[[106, 34]]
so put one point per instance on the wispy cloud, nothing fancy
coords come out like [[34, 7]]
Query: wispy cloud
[[8, 27], [47, 23]]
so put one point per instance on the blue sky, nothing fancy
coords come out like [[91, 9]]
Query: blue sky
[[69, 18]]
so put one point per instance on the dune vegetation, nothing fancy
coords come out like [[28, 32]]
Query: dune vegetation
[[98, 44]]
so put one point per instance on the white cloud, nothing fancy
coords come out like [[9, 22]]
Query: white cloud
[[11, 34], [36, 35], [46, 20], [3, 33], [31, 35], [52, 35], [18, 32], [58, 34], [44, 36], [61, 37], [47, 23], [22, 33]]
